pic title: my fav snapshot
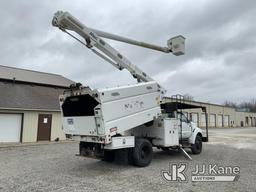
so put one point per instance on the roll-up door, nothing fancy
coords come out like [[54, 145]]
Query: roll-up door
[[226, 120], [212, 120], [10, 128]]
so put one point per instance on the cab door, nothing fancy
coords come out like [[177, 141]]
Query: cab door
[[185, 126]]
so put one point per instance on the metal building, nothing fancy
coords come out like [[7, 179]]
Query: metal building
[[218, 115], [29, 107]]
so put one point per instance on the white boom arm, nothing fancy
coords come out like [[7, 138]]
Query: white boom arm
[[65, 21]]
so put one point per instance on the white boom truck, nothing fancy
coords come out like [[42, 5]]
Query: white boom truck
[[131, 118]]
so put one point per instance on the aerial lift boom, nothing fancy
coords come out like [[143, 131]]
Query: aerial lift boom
[[65, 21]]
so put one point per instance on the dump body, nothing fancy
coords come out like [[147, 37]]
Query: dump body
[[99, 114]]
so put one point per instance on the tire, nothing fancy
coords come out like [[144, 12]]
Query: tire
[[197, 147], [109, 155], [142, 152]]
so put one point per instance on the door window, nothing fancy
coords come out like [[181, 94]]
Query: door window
[[182, 117]]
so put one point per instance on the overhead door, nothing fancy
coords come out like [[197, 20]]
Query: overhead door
[[10, 128], [212, 120], [226, 120], [203, 120], [220, 120]]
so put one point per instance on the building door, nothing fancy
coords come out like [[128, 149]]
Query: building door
[[212, 120], [220, 120], [203, 120], [246, 121], [226, 120], [10, 128], [44, 127]]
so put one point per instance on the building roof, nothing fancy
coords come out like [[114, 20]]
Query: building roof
[[29, 96], [29, 76]]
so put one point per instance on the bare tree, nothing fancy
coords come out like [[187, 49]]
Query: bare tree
[[230, 104], [249, 106]]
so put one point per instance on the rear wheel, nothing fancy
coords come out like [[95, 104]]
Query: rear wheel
[[109, 155], [142, 152], [197, 147]]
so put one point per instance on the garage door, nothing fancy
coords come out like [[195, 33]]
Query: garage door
[[195, 118], [10, 127], [220, 121], [203, 120], [226, 120], [212, 120]]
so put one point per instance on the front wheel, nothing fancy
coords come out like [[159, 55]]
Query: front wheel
[[142, 152], [197, 147]]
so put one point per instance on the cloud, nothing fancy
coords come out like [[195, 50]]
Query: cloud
[[220, 36]]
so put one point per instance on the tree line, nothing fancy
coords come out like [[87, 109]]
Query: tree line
[[249, 106]]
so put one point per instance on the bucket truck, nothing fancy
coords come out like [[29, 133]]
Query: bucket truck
[[130, 118]]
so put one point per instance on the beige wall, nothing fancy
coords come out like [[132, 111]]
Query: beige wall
[[57, 127], [30, 121], [30, 124], [242, 116]]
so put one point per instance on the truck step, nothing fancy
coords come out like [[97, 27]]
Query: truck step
[[185, 154]]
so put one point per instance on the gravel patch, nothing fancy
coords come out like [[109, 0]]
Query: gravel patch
[[56, 168]]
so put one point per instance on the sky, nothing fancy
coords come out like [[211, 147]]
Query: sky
[[220, 59]]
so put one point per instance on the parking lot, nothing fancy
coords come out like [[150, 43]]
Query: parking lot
[[55, 167]]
